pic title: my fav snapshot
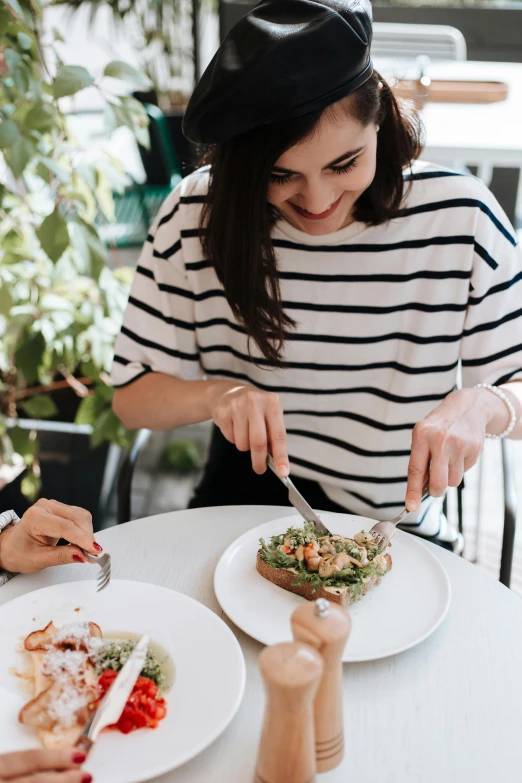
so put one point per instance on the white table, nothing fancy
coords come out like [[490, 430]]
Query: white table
[[477, 133], [448, 711]]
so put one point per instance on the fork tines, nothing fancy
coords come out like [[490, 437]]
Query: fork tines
[[104, 577]]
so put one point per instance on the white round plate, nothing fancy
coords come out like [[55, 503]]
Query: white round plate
[[209, 677], [409, 604]]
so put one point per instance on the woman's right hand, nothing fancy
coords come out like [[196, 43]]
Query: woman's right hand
[[253, 420], [43, 766]]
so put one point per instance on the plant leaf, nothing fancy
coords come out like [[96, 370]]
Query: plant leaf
[[18, 70], [20, 154], [54, 235], [30, 486], [127, 73], [8, 133], [70, 79], [24, 41], [41, 118], [23, 443], [29, 356], [40, 407], [6, 301], [17, 8]]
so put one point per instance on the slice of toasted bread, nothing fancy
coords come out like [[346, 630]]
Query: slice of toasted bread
[[338, 595], [48, 691]]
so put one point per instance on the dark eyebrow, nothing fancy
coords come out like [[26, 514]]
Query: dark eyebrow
[[335, 162]]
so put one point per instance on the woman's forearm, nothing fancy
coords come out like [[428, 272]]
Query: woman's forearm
[[162, 402]]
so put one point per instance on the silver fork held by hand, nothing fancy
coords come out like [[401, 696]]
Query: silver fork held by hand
[[104, 562], [298, 501], [384, 531]]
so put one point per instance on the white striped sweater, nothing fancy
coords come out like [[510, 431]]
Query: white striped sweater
[[384, 315]]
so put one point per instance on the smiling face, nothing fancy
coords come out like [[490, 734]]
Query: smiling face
[[315, 184]]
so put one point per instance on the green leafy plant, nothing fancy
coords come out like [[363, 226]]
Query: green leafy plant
[[61, 303], [181, 455], [165, 38]]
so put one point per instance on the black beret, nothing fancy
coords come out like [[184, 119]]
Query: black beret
[[284, 59]]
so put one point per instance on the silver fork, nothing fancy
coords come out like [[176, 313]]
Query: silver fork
[[383, 532], [104, 561]]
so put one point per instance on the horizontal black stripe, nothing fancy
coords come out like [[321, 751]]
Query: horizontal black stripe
[[486, 327], [454, 203], [378, 425], [146, 371], [193, 199], [304, 337], [506, 378], [352, 340], [493, 357], [188, 233], [346, 476], [341, 444], [432, 175], [195, 266], [121, 360], [496, 289], [158, 314], [320, 367], [190, 357], [371, 503], [166, 218], [333, 338], [210, 294], [141, 270], [150, 238], [422, 307], [407, 244], [423, 274], [355, 390]]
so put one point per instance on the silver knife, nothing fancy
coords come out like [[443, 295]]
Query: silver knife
[[111, 706], [298, 501]]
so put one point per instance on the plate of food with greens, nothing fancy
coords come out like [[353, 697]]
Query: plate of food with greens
[[397, 598], [62, 648]]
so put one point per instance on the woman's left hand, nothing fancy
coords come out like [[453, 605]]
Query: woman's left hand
[[30, 544], [449, 441]]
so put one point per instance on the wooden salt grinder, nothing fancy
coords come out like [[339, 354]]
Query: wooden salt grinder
[[291, 672], [326, 627]]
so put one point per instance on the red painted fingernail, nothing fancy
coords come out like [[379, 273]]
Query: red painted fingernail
[[87, 778], [97, 547], [78, 757], [78, 558]]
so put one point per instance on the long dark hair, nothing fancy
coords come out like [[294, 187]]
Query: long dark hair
[[237, 220]]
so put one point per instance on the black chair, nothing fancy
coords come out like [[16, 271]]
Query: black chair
[[510, 501]]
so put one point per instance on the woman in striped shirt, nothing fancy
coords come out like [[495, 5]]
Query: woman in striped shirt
[[316, 292]]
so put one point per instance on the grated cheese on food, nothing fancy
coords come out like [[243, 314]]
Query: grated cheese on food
[[64, 663], [66, 706]]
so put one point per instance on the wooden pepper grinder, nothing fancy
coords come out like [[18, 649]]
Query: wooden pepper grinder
[[291, 672], [326, 626]]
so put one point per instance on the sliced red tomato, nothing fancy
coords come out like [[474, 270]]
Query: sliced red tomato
[[144, 708]]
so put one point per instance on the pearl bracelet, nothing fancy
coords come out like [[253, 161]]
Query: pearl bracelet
[[511, 408]]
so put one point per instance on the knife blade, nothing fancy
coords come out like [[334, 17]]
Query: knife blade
[[298, 501], [111, 706]]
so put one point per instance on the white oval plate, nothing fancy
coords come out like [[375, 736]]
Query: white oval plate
[[409, 604], [209, 678]]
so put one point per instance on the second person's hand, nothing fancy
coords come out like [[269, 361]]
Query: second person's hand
[[253, 421], [43, 766]]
